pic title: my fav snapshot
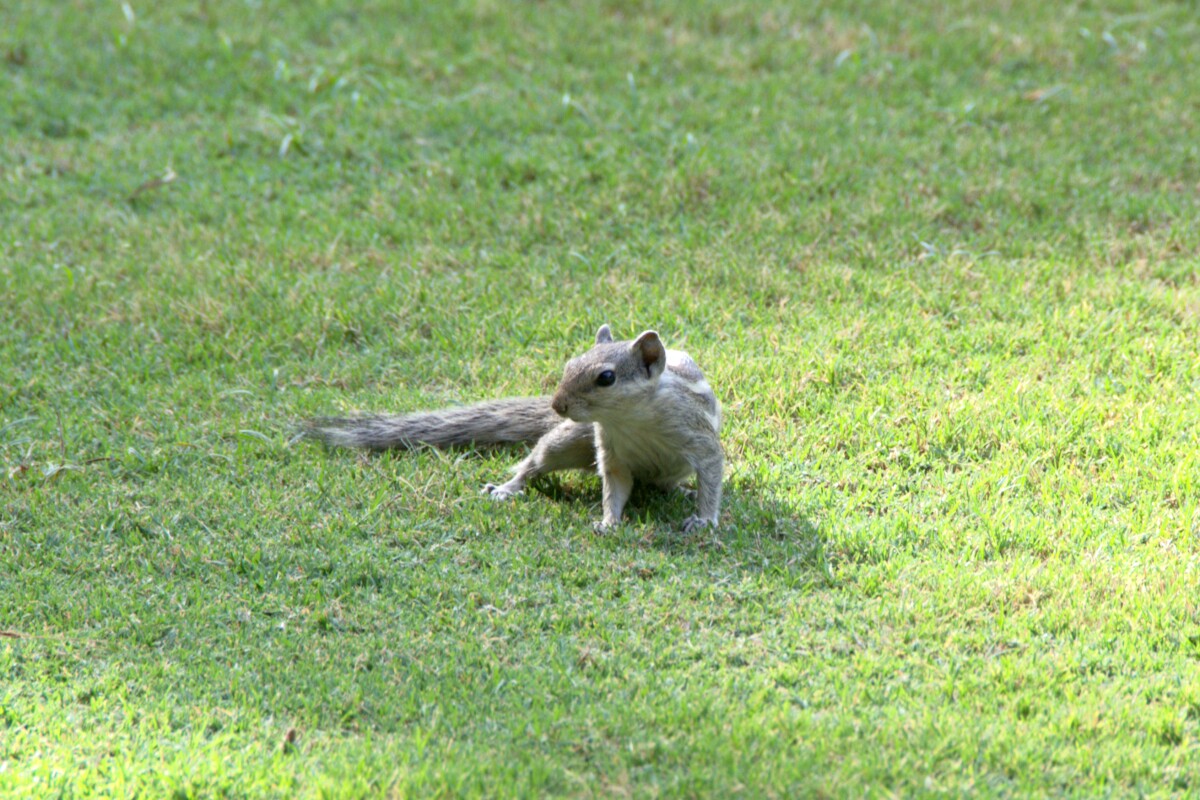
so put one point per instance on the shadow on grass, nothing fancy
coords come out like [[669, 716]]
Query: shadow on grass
[[759, 531]]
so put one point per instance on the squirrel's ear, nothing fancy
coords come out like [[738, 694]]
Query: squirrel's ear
[[649, 348], [604, 335]]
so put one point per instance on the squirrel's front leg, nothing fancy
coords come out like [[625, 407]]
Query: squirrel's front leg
[[618, 483]]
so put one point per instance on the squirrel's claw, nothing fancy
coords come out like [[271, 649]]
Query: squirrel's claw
[[500, 492], [694, 523]]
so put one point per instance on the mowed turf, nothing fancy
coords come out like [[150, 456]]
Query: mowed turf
[[938, 259]]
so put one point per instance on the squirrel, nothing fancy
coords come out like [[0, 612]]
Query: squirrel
[[631, 410]]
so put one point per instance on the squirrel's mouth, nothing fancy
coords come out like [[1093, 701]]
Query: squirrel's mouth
[[575, 412]]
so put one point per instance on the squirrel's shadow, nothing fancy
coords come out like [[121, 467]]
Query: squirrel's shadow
[[758, 529], [754, 521]]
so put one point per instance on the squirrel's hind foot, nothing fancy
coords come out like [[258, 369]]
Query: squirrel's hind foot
[[502, 491], [693, 524]]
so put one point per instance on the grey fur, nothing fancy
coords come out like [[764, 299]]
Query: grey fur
[[656, 420], [509, 421]]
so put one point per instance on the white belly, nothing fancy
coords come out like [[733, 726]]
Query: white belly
[[648, 454]]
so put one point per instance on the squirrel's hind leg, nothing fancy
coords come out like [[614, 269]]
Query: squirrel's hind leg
[[568, 445], [709, 469]]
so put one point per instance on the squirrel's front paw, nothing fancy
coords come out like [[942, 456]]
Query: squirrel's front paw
[[501, 492], [694, 523]]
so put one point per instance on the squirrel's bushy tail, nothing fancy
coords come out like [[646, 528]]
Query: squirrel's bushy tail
[[516, 419]]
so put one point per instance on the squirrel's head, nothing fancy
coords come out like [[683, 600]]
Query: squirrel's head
[[610, 377]]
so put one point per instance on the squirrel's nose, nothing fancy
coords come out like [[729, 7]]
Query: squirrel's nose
[[559, 405]]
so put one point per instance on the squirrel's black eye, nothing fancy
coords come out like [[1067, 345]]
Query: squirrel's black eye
[[606, 378]]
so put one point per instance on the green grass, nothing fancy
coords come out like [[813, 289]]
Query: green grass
[[939, 260]]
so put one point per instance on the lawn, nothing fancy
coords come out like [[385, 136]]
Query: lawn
[[939, 260]]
